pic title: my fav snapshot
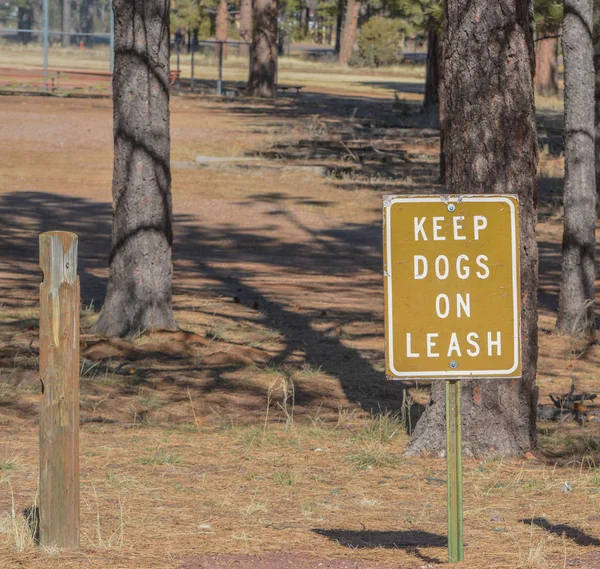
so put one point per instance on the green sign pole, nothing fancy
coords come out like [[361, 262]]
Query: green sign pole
[[453, 437]]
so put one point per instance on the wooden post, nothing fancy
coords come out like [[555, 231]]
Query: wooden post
[[59, 373]]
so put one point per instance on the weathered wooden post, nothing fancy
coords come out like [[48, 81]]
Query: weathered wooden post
[[59, 373]]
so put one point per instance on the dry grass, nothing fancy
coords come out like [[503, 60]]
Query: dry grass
[[248, 436]]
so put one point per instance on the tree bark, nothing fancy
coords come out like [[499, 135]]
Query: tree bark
[[66, 22], [263, 59], [576, 300], [349, 31], [140, 267], [441, 107], [546, 67], [222, 25], [596, 39], [25, 22], [341, 5], [245, 25], [491, 147], [432, 71]]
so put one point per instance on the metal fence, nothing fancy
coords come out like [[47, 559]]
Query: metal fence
[[46, 35], [39, 58], [219, 52]]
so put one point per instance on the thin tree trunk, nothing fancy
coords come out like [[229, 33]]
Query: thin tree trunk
[[442, 106], [245, 25], [263, 59], [25, 22], [349, 31], [140, 267], [66, 22], [432, 72], [576, 300], [222, 25], [491, 147], [341, 5], [546, 67]]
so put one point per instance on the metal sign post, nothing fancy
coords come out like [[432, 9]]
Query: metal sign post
[[452, 304], [454, 456]]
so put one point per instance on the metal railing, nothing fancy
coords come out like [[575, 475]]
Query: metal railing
[[46, 33]]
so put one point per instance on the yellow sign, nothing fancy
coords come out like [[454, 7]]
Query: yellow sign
[[452, 286]]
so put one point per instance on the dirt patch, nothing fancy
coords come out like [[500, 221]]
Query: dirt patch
[[280, 561]]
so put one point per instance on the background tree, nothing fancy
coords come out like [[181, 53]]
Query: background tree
[[187, 15], [263, 58], [245, 25], [66, 22], [349, 30], [548, 20], [491, 147], [222, 27], [433, 65], [576, 301], [379, 41], [140, 267]]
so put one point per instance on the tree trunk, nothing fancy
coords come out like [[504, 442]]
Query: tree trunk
[[222, 25], [576, 300], [263, 59], [441, 106], [245, 26], [491, 147], [140, 268], [349, 31], [66, 22], [432, 71], [86, 21], [596, 39], [304, 21], [25, 22], [341, 5], [546, 67]]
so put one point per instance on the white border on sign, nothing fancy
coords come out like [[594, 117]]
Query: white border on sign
[[388, 276]]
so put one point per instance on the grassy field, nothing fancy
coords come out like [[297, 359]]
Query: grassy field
[[264, 430]]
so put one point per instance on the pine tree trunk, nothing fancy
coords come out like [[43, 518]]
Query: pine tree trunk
[[576, 300], [491, 147], [596, 39], [441, 107], [245, 25], [222, 25], [432, 71], [140, 268], [341, 5], [349, 31], [263, 59], [546, 67], [66, 22]]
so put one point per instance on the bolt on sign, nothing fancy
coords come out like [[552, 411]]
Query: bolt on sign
[[452, 286]]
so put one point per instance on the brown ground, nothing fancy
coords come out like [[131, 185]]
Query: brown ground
[[264, 434]]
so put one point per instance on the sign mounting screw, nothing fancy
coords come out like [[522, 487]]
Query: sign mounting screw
[[451, 207], [453, 364]]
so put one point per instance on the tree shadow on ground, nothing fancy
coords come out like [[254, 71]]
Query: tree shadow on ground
[[374, 111], [223, 261], [576, 535], [410, 540]]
